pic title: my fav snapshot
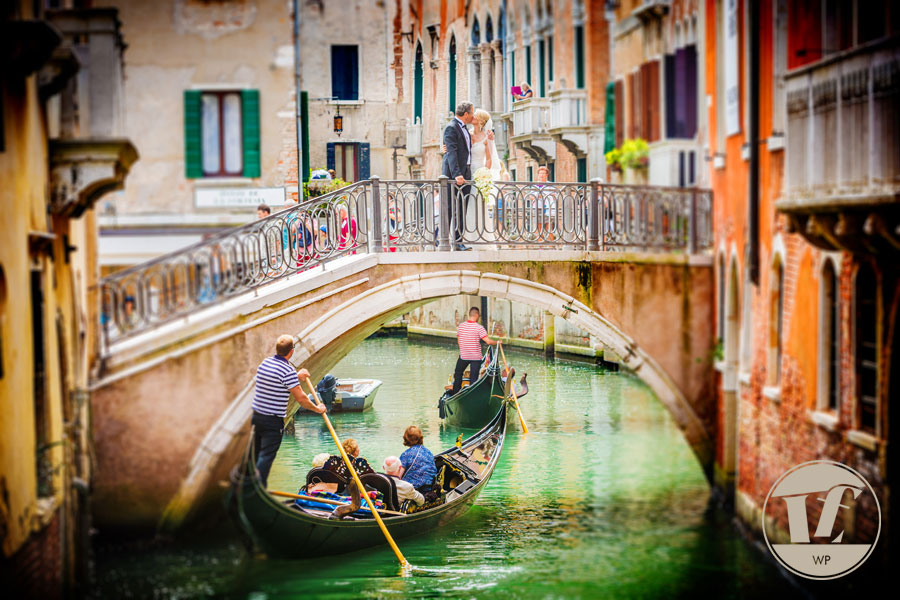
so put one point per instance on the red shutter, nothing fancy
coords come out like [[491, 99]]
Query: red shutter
[[653, 105], [633, 107]]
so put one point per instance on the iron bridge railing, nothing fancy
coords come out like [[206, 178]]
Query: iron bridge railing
[[408, 216]]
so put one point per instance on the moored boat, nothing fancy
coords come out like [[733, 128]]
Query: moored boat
[[283, 529], [350, 395]]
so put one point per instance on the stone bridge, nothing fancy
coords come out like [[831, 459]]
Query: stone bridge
[[184, 335]]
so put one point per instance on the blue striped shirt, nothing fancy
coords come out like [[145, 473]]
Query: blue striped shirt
[[275, 376]]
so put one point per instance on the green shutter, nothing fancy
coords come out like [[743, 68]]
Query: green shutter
[[609, 140], [250, 123], [579, 57], [193, 135]]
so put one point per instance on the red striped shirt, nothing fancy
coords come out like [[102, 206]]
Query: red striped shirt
[[469, 335]]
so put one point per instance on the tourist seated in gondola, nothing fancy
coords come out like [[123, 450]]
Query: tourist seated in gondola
[[405, 490], [336, 463], [417, 460]]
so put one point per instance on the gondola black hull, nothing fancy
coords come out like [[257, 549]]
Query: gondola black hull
[[280, 530]]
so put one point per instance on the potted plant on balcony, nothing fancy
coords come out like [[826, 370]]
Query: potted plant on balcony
[[636, 160], [614, 160]]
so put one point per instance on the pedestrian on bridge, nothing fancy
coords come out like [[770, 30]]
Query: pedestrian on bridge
[[469, 335], [276, 382]]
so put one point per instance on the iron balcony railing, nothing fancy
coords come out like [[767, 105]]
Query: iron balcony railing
[[409, 216]]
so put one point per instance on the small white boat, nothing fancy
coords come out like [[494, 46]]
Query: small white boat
[[353, 395]]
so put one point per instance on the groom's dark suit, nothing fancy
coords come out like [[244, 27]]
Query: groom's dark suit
[[458, 161]]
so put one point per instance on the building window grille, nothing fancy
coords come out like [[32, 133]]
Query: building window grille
[[866, 321], [831, 326]]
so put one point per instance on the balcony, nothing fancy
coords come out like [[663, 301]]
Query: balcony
[[414, 140], [568, 120], [530, 129], [842, 155]]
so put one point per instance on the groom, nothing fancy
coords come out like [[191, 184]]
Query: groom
[[457, 163]]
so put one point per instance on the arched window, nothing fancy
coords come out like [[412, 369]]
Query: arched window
[[720, 299], [451, 84], [829, 340], [776, 318], [476, 33], [866, 334], [488, 30], [419, 76]]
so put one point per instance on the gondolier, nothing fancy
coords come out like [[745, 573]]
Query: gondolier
[[276, 382], [469, 335]]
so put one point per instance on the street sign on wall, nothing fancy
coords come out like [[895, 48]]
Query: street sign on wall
[[238, 197]]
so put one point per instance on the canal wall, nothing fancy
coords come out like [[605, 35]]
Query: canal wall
[[515, 324]]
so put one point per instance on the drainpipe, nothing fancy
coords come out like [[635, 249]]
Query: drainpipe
[[753, 140], [297, 102]]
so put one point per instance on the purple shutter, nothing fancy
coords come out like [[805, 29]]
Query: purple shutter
[[690, 116]]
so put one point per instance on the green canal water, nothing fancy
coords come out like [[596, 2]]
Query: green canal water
[[603, 498]]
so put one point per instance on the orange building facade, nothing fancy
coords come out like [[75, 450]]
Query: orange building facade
[[806, 245]]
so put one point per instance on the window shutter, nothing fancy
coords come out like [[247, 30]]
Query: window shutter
[[193, 135], [250, 124], [669, 94], [329, 155], [690, 109], [363, 161], [609, 137], [653, 100], [620, 112]]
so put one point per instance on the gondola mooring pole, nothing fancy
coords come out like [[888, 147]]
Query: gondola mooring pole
[[404, 564]]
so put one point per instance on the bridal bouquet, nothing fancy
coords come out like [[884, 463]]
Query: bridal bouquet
[[483, 181]]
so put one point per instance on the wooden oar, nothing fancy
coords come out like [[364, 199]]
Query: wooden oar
[[315, 399], [512, 388], [327, 501]]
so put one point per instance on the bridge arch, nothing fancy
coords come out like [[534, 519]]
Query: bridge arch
[[327, 339]]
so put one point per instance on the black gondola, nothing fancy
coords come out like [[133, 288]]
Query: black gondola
[[284, 530], [474, 405]]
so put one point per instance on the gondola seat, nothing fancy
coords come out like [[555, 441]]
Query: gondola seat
[[384, 484], [409, 507], [325, 476], [448, 474]]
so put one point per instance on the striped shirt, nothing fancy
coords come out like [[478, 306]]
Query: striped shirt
[[275, 376], [469, 335]]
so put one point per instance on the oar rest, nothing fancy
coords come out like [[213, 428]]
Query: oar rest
[[384, 484], [325, 476]]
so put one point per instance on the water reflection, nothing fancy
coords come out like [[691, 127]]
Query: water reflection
[[602, 498]]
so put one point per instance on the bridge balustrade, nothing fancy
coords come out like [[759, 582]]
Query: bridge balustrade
[[412, 216]]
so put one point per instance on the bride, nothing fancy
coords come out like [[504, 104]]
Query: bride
[[484, 150]]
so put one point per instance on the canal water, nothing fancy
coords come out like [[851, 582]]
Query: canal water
[[603, 498]]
